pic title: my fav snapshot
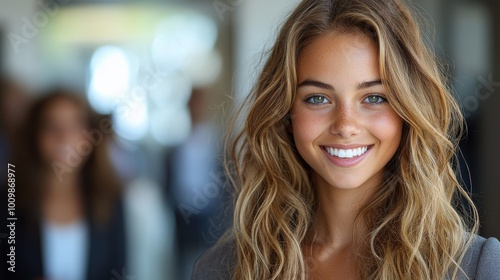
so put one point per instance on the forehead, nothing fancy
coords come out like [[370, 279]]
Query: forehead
[[63, 109], [339, 40], [338, 54]]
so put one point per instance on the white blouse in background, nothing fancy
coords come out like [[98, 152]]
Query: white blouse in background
[[64, 250]]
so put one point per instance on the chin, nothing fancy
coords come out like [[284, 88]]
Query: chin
[[345, 183], [345, 186]]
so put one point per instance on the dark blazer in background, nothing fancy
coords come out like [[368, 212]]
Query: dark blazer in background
[[106, 251]]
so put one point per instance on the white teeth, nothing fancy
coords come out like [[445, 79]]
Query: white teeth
[[348, 153], [341, 153]]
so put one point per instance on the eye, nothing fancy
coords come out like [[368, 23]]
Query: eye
[[375, 99], [317, 99]]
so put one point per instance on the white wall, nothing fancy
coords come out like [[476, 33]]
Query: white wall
[[24, 63], [257, 23]]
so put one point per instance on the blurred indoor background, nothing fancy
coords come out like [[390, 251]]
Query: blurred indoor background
[[168, 72]]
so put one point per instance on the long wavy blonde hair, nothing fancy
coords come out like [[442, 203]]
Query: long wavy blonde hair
[[415, 229]]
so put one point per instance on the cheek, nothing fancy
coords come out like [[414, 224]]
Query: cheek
[[75, 139], [47, 147], [387, 127], [306, 126], [46, 143]]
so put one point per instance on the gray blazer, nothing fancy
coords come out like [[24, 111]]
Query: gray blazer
[[481, 261]]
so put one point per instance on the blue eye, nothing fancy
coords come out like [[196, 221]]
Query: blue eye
[[317, 99], [375, 99]]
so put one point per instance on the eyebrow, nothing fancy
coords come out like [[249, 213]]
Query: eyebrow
[[369, 84], [318, 84]]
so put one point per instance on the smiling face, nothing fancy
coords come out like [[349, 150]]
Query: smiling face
[[342, 124]]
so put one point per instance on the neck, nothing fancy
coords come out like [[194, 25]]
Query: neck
[[69, 185], [62, 201], [338, 209]]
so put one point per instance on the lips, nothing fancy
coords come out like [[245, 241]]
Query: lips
[[346, 156]]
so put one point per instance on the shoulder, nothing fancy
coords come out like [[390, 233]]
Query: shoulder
[[482, 259], [217, 263]]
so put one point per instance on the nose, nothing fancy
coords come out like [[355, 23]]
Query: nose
[[345, 121], [64, 134]]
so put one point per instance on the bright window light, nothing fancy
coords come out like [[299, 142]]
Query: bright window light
[[130, 119], [182, 37], [110, 79]]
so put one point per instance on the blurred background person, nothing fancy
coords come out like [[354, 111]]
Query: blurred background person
[[195, 184], [78, 219], [70, 213]]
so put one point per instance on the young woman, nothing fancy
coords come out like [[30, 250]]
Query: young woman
[[345, 164], [68, 200]]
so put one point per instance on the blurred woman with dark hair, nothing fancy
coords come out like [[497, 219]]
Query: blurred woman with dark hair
[[70, 215]]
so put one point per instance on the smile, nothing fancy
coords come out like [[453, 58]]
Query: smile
[[346, 153]]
